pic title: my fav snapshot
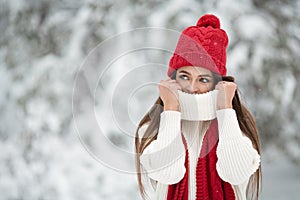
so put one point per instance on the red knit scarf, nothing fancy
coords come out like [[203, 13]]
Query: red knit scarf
[[209, 185]]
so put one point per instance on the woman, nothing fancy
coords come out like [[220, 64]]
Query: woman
[[198, 141]]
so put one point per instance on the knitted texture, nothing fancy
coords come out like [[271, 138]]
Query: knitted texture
[[209, 184], [203, 45], [180, 191]]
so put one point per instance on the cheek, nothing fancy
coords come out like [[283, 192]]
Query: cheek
[[181, 83], [211, 85], [206, 87]]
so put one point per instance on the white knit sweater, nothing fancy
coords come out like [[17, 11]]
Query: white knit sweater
[[164, 158]]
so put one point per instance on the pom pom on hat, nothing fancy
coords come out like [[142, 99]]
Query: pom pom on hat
[[209, 20], [203, 45]]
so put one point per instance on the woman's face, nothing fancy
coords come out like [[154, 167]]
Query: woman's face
[[195, 80]]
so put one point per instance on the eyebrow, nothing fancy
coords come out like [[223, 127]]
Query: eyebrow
[[202, 75]]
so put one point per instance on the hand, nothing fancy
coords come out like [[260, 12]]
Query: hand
[[168, 92], [226, 94]]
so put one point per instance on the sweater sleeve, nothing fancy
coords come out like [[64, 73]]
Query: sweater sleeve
[[164, 158], [237, 158]]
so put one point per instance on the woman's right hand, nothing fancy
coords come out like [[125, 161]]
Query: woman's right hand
[[168, 92]]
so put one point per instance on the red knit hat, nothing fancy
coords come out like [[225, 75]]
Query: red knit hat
[[203, 45]]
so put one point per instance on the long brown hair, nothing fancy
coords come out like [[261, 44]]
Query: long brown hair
[[246, 123]]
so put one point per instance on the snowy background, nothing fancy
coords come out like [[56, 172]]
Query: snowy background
[[76, 77]]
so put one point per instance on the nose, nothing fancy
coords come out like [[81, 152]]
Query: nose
[[193, 88]]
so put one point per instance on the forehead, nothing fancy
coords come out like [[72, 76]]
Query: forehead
[[195, 70]]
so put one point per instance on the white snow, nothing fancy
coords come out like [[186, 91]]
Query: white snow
[[67, 138]]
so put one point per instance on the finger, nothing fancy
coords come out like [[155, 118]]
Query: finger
[[174, 83], [178, 87], [166, 81], [219, 86], [163, 83], [168, 85], [231, 85], [171, 81], [221, 83]]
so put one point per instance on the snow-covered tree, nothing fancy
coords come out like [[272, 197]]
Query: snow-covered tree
[[69, 106]]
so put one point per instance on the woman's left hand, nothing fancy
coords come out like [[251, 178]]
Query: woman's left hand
[[226, 94]]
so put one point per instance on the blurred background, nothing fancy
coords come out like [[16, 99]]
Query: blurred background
[[77, 76]]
